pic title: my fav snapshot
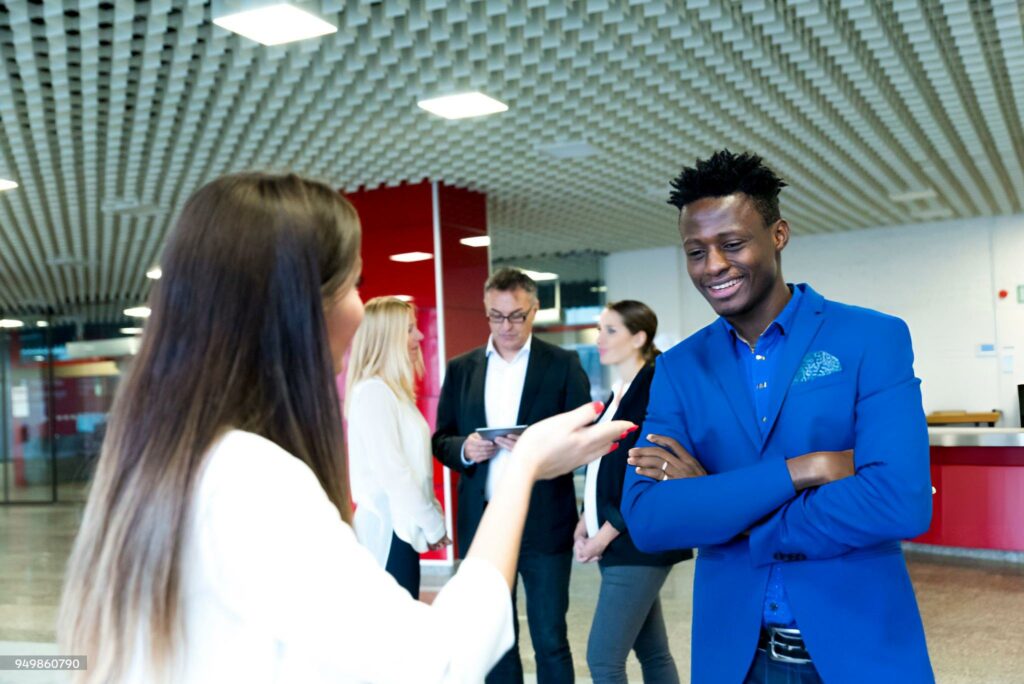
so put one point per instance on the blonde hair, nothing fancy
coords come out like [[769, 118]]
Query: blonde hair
[[380, 349], [237, 339]]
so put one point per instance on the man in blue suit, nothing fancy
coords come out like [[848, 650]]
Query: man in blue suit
[[787, 441]]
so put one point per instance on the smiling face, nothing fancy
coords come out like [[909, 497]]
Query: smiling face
[[615, 344], [734, 260]]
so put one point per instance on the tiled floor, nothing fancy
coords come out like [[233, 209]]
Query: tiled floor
[[973, 610]]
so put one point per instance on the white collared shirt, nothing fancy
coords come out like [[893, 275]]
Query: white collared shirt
[[503, 390]]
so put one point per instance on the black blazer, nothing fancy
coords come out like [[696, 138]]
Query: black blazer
[[555, 382], [612, 473]]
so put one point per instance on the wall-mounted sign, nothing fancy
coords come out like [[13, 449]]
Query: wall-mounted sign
[[19, 401]]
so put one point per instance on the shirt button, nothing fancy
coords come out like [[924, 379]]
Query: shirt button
[[762, 385], [773, 606], [764, 419], [759, 357]]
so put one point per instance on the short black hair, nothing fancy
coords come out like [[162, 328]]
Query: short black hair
[[507, 279], [725, 173]]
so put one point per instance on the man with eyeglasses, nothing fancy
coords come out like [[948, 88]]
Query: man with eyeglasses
[[516, 380]]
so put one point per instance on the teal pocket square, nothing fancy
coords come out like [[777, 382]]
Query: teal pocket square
[[817, 365]]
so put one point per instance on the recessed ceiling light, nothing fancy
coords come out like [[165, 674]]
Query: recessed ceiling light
[[131, 331], [404, 298], [66, 260], [913, 195], [137, 311], [275, 24], [42, 324], [154, 273], [572, 149], [931, 214], [541, 275], [409, 257], [11, 323], [462, 105], [7, 184], [479, 241], [39, 358], [128, 206]]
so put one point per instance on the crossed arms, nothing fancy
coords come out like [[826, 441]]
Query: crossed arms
[[813, 506]]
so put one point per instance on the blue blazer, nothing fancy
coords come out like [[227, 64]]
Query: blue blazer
[[845, 380]]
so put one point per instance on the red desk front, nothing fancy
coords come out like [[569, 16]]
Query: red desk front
[[978, 475]]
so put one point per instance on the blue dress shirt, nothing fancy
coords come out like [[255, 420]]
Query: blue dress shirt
[[760, 363]]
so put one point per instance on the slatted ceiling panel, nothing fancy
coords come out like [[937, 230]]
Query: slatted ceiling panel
[[142, 102]]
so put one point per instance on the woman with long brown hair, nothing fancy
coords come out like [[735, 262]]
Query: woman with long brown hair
[[215, 545]]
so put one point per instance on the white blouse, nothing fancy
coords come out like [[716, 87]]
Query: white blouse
[[594, 467], [390, 471], [277, 589]]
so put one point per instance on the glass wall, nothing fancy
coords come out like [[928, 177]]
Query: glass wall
[[58, 384]]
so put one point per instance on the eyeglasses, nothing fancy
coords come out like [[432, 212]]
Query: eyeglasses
[[515, 318]]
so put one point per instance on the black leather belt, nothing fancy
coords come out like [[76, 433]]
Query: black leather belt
[[784, 645]]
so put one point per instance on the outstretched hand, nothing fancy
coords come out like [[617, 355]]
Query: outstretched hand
[[562, 443]]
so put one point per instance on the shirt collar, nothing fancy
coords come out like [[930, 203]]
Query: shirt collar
[[525, 351], [784, 321]]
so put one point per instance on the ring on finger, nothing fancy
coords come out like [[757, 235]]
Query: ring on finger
[[664, 466], [664, 476]]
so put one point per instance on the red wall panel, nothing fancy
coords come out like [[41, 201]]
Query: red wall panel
[[401, 219]]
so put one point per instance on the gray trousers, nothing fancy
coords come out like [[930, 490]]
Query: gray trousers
[[629, 616]]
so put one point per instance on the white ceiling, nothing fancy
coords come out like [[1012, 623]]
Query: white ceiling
[[106, 106]]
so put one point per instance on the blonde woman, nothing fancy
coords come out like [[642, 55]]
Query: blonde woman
[[215, 545], [397, 516]]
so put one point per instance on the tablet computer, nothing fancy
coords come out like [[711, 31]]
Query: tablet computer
[[489, 433]]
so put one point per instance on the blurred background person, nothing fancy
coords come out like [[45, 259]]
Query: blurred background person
[[397, 515], [628, 614], [215, 544]]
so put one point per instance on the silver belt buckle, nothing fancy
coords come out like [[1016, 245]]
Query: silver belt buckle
[[772, 643]]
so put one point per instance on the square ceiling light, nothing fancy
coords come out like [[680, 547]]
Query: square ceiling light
[[410, 257], [572, 149], [138, 311], [462, 105], [540, 276], [7, 184], [275, 24]]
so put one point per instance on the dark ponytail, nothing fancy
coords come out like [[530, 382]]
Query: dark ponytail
[[638, 317]]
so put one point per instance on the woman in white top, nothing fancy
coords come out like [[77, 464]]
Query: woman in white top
[[215, 545], [390, 466]]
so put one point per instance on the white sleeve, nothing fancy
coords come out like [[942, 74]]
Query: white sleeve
[[289, 565], [374, 415]]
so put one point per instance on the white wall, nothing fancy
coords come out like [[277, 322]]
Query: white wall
[[941, 278]]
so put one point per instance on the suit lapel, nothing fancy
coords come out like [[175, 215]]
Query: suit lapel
[[799, 337], [720, 361], [477, 379], [535, 369]]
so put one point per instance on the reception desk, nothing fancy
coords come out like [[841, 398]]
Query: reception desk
[[978, 475]]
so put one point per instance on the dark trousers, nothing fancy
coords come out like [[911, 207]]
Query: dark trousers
[[764, 670], [628, 616], [545, 579], [404, 565]]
